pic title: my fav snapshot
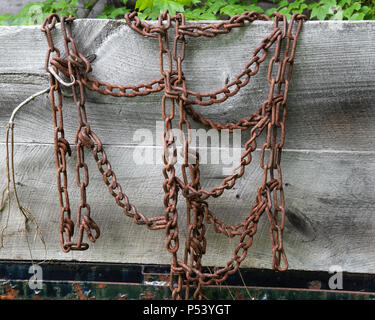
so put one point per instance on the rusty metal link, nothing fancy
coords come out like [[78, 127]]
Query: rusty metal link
[[75, 62], [273, 189], [195, 245], [115, 189], [170, 187], [269, 119], [61, 145], [72, 67], [241, 80]]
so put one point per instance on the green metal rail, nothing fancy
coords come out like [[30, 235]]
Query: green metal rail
[[87, 281]]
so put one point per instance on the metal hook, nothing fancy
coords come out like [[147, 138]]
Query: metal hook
[[66, 84]]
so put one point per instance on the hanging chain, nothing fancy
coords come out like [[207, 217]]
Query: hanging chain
[[61, 145], [269, 118]]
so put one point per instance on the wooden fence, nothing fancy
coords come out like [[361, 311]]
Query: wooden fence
[[328, 162]]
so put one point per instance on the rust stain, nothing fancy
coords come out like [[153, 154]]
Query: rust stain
[[239, 295], [316, 284], [148, 295], [78, 290], [10, 293], [149, 277], [37, 297], [164, 277]]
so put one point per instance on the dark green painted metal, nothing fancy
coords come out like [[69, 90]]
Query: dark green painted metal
[[69, 280], [59, 290]]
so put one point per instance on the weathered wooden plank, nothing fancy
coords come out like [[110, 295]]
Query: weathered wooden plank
[[329, 210], [331, 99], [328, 166]]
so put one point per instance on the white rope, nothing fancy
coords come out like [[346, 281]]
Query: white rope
[[57, 77], [25, 102], [10, 168]]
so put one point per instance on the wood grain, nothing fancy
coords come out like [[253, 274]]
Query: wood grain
[[329, 210], [328, 165], [333, 79]]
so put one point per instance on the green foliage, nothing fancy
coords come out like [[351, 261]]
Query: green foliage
[[218, 9], [328, 9], [213, 9], [35, 12], [195, 9], [112, 13], [150, 9]]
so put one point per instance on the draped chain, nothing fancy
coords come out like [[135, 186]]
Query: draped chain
[[178, 99]]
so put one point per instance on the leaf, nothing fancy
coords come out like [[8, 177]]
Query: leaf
[[338, 15], [270, 11], [172, 6], [348, 12], [106, 12], [283, 3], [294, 5], [318, 12], [357, 16], [231, 10], [323, 9], [199, 14], [118, 12], [215, 6], [184, 2], [145, 14], [143, 4], [368, 12], [62, 4], [285, 11], [312, 5], [5, 19], [329, 3], [254, 7], [302, 7], [342, 3]]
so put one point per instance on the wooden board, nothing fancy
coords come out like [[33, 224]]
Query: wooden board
[[328, 166]]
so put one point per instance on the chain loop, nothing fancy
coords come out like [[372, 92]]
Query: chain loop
[[269, 119]]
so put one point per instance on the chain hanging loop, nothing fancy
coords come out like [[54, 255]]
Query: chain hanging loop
[[178, 98]]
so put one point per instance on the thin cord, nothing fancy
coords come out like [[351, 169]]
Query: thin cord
[[5, 193], [225, 283], [25, 211], [243, 281], [10, 123], [11, 182], [11, 172]]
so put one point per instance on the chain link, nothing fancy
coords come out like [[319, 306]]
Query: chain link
[[269, 119]]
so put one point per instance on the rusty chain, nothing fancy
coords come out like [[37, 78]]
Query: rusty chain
[[269, 118]]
